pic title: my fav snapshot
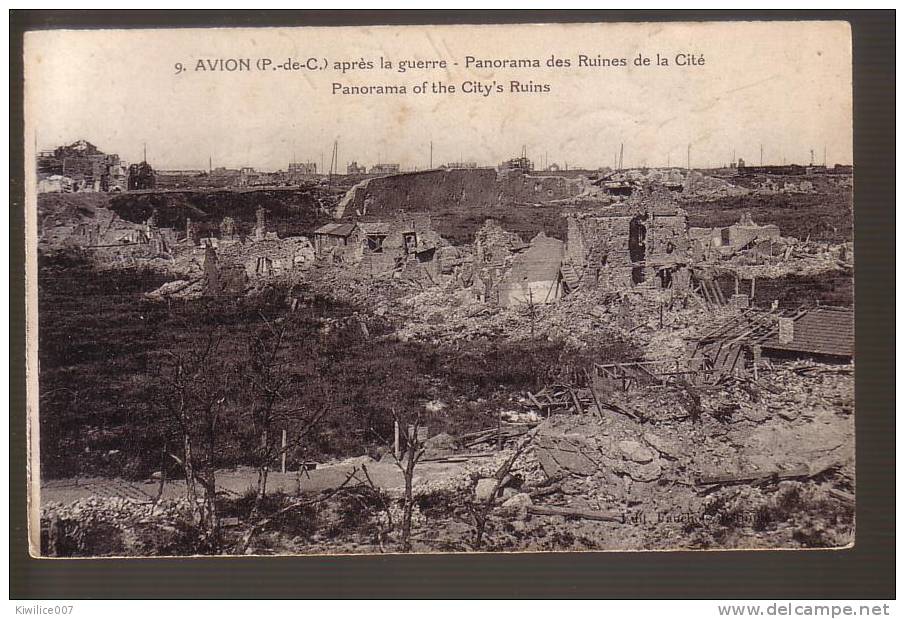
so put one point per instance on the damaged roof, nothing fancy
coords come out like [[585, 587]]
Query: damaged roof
[[822, 330], [375, 228], [336, 229]]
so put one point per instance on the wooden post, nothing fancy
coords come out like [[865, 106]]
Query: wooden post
[[499, 431], [283, 452], [756, 352], [736, 285], [396, 439], [752, 290]]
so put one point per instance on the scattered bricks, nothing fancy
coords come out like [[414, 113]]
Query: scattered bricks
[[666, 448], [641, 472], [484, 489], [517, 505], [636, 452]]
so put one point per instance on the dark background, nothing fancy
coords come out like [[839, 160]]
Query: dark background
[[866, 571]]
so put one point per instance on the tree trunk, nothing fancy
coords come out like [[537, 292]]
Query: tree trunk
[[409, 502], [262, 489], [263, 470], [412, 455], [189, 466]]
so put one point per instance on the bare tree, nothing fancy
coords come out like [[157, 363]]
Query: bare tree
[[414, 450], [481, 511], [266, 374], [192, 388]]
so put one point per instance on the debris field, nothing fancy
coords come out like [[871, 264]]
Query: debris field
[[732, 428]]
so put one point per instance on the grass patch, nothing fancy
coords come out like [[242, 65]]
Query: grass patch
[[101, 343]]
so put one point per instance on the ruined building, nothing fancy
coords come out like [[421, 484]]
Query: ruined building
[[260, 224], [273, 258], [399, 243], [192, 234], [493, 245], [331, 240], [228, 228], [535, 274], [736, 236], [222, 278], [630, 244], [84, 168]]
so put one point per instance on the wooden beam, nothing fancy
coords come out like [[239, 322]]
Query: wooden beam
[[574, 513]]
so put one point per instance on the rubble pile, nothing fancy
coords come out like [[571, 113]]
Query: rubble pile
[[755, 478], [129, 526], [699, 186], [800, 258]]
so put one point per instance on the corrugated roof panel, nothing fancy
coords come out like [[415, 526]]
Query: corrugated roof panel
[[823, 331]]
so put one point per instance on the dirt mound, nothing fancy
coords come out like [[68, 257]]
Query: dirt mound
[[292, 212]]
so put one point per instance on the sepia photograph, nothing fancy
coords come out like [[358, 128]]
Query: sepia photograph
[[370, 290]]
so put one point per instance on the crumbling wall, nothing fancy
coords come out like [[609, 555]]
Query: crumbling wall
[[535, 274], [622, 248], [494, 245], [386, 246], [736, 235], [270, 257], [576, 252], [222, 278]]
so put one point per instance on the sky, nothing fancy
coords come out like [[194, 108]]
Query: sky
[[782, 86]]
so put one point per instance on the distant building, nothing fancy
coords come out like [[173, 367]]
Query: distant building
[[187, 173], [385, 168], [519, 163], [302, 169], [248, 177], [354, 168], [88, 168], [141, 176], [453, 165], [222, 172]]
